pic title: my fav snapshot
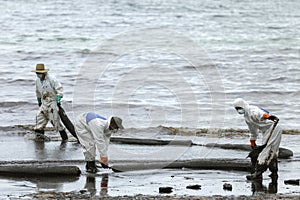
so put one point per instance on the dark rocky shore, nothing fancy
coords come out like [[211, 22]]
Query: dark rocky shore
[[78, 195]]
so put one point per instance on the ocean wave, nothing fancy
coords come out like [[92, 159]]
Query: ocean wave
[[281, 78], [259, 92], [14, 104], [158, 131], [21, 80]]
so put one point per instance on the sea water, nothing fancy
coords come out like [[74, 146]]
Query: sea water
[[169, 63]]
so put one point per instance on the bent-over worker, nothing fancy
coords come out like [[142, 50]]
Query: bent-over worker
[[260, 120], [94, 131]]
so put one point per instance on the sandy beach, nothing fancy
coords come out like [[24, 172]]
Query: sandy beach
[[144, 180]]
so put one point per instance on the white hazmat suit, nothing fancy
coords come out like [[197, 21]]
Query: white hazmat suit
[[48, 90], [93, 132], [255, 118]]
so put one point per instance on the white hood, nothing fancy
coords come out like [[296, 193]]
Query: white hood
[[239, 102]]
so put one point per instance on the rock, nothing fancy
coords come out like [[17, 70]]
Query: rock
[[44, 196], [82, 191], [292, 182], [227, 186], [285, 153], [194, 187], [165, 189]]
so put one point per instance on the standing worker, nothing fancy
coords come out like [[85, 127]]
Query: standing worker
[[49, 93], [94, 131], [260, 120]]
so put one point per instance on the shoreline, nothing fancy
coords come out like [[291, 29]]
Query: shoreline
[[166, 130]]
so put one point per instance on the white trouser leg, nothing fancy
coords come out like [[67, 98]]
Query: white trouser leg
[[41, 119], [54, 117]]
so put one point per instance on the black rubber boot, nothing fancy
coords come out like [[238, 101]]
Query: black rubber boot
[[257, 186], [273, 185], [40, 136], [63, 135], [91, 167], [254, 176], [39, 132], [257, 175], [273, 167]]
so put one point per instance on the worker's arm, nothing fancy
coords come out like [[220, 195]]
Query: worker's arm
[[270, 117], [253, 134]]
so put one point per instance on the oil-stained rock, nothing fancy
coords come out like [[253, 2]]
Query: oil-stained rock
[[227, 186], [194, 187], [292, 182], [165, 190]]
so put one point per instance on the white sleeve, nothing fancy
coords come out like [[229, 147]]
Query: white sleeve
[[253, 131], [255, 118], [57, 87]]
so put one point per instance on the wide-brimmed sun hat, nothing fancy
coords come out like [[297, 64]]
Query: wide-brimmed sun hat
[[40, 68], [118, 122]]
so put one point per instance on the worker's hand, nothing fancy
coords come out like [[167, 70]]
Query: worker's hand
[[58, 100], [39, 101], [252, 144], [273, 118], [104, 162]]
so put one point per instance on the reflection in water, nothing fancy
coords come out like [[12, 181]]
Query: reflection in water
[[257, 186], [63, 145], [273, 185], [90, 185], [43, 153], [42, 183], [104, 184], [40, 150]]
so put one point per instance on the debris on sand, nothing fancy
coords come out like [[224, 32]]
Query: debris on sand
[[194, 187], [75, 195], [150, 141], [165, 190], [227, 186], [292, 182], [38, 169]]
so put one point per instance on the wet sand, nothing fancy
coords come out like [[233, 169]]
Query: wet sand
[[143, 197], [141, 184]]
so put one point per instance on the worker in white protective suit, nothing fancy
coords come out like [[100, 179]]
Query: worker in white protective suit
[[49, 93], [94, 131], [260, 120]]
